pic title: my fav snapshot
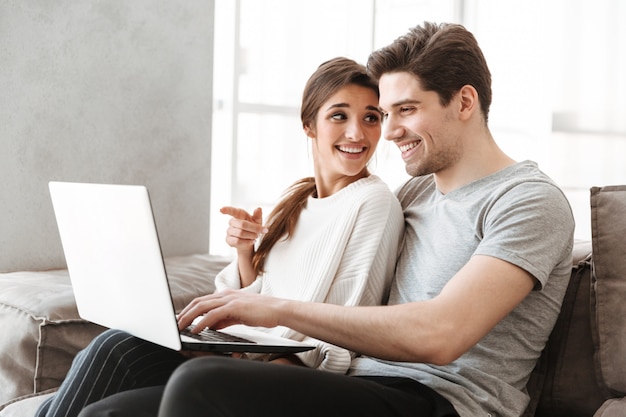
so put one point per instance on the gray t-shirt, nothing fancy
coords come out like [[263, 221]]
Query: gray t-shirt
[[518, 215]]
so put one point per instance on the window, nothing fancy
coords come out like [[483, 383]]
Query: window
[[559, 97]]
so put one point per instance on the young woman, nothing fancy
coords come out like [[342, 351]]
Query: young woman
[[333, 238]]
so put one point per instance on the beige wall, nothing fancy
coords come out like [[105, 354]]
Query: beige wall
[[104, 91]]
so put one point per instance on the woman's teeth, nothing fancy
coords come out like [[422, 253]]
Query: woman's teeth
[[350, 149]]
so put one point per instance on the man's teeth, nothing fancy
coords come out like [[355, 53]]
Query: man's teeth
[[350, 149], [408, 146]]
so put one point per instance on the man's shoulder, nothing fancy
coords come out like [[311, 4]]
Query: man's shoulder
[[520, 179], [522, 173], [525, 180], [416, 186]]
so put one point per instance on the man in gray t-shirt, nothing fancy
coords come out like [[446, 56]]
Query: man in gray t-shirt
[[479, 281], [514, 215]]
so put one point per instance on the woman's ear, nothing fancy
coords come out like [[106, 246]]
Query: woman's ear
[[309, 132]]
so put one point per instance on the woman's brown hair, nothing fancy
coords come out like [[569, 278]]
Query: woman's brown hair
[[329, 78]]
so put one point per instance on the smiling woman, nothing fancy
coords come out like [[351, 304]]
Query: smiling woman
[[334, 237], [344, 136], [340, 116]]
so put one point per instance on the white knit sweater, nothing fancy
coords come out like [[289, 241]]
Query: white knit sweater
[[343, 251]]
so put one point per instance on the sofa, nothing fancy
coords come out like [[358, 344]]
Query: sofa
[[581, 372], [42, 330]]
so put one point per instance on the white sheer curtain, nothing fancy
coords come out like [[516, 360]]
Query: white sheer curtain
[[557, 68]]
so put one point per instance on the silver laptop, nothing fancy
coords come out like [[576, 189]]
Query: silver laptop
[[117, 272]]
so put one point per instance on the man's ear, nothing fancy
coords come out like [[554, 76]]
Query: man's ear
[[468, 99]]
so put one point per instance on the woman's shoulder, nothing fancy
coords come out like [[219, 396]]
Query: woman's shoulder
[[376, 194], [369, 194], [372, 186], [374, 182]]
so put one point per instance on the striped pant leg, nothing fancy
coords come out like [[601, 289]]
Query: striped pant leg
[[113, 362]]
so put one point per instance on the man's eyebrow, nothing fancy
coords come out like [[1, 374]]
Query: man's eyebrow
[[402, 103], [406, 101]]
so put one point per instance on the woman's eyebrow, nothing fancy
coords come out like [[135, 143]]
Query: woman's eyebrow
[[376, 109], [338, 105]]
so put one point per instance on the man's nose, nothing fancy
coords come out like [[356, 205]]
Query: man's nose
[[392, 129]]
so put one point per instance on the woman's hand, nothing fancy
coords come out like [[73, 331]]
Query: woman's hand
[[244, 228], [242, 233]]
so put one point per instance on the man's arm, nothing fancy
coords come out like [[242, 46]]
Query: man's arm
[[436, 331]]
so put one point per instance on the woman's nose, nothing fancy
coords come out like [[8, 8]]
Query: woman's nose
[[354, 131]]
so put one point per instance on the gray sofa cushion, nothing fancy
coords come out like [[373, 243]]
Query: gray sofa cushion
[[608, 224], [41, 329], [612, 408], [26, 406]]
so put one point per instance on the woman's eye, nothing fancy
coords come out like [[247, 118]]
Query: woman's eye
[[372, 118], [338, 116]]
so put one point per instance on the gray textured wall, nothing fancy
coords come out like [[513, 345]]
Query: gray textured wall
[[104, 91]]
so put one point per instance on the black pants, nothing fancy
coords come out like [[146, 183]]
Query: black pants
[[221, 386]]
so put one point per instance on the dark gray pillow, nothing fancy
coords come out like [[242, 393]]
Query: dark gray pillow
[[608, 226]]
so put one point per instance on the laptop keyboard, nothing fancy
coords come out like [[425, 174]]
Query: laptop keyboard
[[209, 335]]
